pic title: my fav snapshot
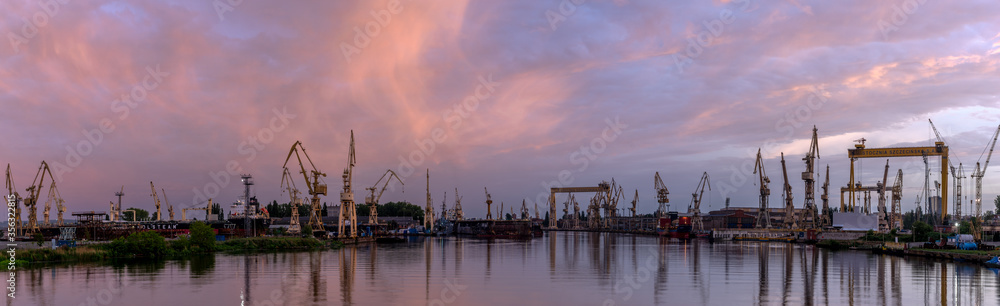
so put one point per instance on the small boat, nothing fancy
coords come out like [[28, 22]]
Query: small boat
[[993, 262]]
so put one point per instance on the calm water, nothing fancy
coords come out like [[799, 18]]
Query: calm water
[[558, 269]]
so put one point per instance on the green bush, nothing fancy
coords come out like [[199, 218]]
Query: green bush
[[145, 244], [202, 237], [920, 230]]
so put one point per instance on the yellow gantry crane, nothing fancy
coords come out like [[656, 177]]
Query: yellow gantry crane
[[763, 215], [372, 199], [156, 200], [31, 202], [294, 201], [695, 207], [348, 210], [791, 220], [939, 149], [662, 195], [313, 182]]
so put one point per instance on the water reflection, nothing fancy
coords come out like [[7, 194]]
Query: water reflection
[[564, 268]]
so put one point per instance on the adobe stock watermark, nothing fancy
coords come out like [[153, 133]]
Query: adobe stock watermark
[[31, 26], [222, 7], [565, 9], [363, 35], [123, 106], [787, 125], [705, 38], [900, 15], [452, 291], [106, 296], [248, 148], [453, 119], [626, 286]]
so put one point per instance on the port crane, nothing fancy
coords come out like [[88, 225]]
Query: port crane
[[429, 210], [536, 212], [635, 200], [313, 182], [811, 217], [763, 215], [790, 218], [445, 214], [897, 195], [459, 215], [372, 198], [883, 213], [662, 195], [825, 218], [978, 174], [31, 202], [55, 197], [525, 215], [13, 196], [207, 209], [170, 208], [695, 207], [489, 204], [288, 185], [348, 211], [156, 200]]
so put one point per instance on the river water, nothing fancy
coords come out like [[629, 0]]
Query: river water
[[561, 268]]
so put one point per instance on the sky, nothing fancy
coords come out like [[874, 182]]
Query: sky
[[513, 96]]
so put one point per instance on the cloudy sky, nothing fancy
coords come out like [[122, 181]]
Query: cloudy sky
[[514, 96]]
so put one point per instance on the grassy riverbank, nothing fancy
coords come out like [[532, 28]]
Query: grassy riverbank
[[150, 245]]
